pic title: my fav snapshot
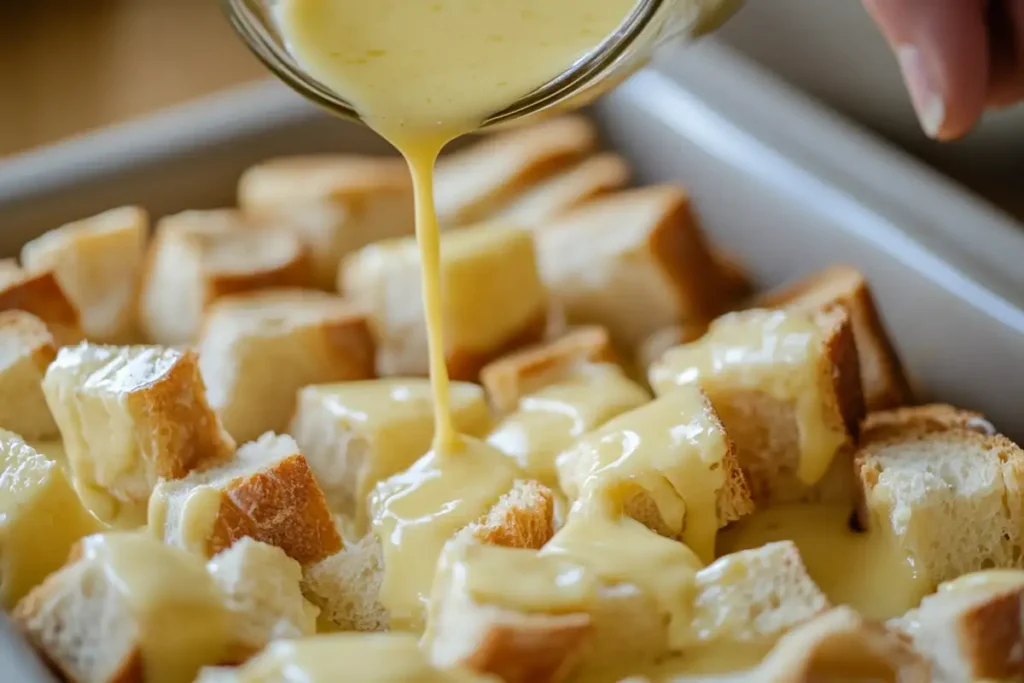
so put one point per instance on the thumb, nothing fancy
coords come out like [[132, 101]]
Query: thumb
[[942, 49]]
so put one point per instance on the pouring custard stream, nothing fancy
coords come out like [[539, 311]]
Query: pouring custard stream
[[424, 72]]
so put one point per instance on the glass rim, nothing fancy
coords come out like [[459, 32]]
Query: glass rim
[[252, 21]]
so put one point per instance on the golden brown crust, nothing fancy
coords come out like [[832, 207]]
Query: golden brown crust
[[523, 518], [282, 506], [465, 365], [533, 649], [736, 282], [931, 418], [990, 636], [42, 296], [295, 273], [510, 377], [885, 383], [184, 432]]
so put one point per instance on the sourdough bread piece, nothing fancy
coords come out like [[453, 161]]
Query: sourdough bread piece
[[335, 204], [128, 609], [355, 434], [972, 628], [263, 595], [586, 180], [884, 382], [130, 415], [346, 586], [945, 494], [98, 263], [633, 261], [841, 645], [41, 517], [197, 257], [41, 295], [256, 350], [26, 349], [474, 183], [493, 299], [524, 372], [787, 387], [266, 492]]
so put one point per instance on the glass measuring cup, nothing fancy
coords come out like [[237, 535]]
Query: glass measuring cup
[[651, 23]]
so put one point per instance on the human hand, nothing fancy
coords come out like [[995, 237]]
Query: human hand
[[958, 57]]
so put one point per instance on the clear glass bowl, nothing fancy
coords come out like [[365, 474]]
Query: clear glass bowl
[[631, 46]]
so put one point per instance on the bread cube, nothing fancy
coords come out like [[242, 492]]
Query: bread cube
[[355, 434], [634, 262], [130, 415], [336, 204], [266, 492], [26, 349], [492, 299], [198, 256], [41, 295], [256, 351], [98, 263]]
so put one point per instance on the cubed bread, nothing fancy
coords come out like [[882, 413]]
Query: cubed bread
[[493, 300], [41, 295], [949, 499], [567, 189], [972, 628], [841, 645], [98, 263], [787, 387], [256, 350], [40, 518], [130, 415], [355, 434], [527, 370], [26, 349], [475, 182], [346, 586], [335, 203], [684, 488], [884, 383], [128, 609], [262, 590], [634, 261], [552, 418], [198, 256], [266, 492]]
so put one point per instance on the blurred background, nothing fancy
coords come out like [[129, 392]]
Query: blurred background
[[70, 66]]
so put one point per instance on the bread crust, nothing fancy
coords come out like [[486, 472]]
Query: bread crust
[[41, 295], [465, 365]]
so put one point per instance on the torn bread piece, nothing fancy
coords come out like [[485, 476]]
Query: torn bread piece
[[40, 518], [198, 256], [493, 300], [972, 628], [266, 492], [787, 387], [475, 182], [574, 401], [98, 263], [930, 418], [355, 434], [41, 295], [565, 190], [884, 382], [841, 645], [523, 372], [357, 657], [346, 586], [127, 609], [26, 349], [634, 261], [256, 350], [681, 488], [336, 204], [263, 595], [949, 499], [130, 415]]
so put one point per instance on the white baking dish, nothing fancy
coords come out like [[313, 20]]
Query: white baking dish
[[779, 182]]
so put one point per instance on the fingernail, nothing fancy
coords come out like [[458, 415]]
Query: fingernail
[[924, 94]]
